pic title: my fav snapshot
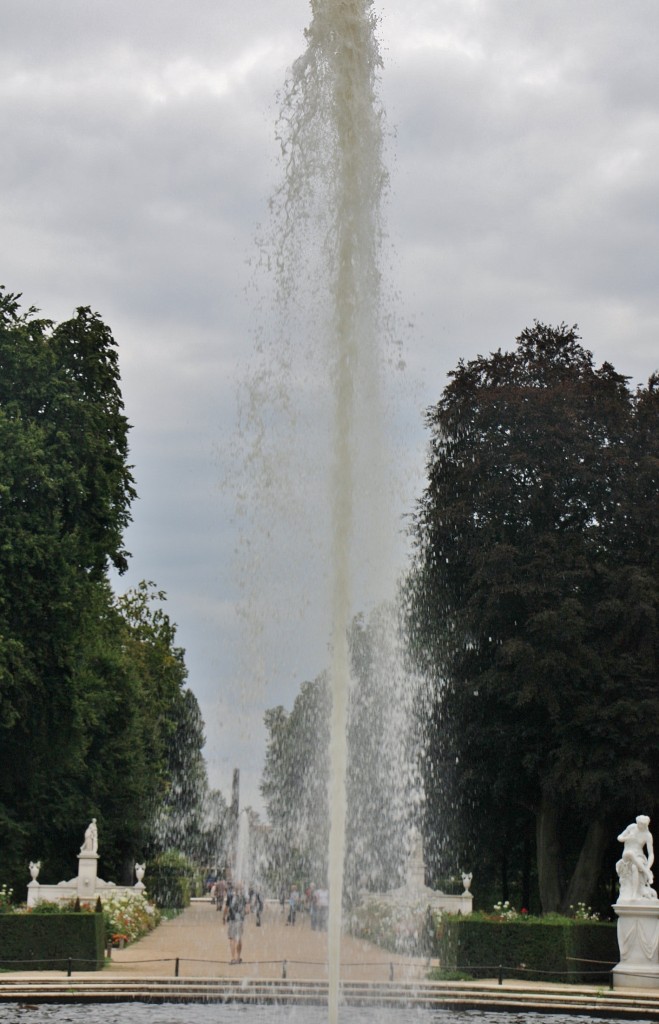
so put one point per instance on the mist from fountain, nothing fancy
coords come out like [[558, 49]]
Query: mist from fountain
[[337, 74], [315, 406]]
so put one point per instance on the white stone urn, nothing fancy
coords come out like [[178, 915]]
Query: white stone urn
[[139, 874]]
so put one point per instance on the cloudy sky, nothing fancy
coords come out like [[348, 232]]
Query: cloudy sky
[[137, 157]]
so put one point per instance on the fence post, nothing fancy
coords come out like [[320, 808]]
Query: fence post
[[391, 972], [69, 967], [176, 967], [501, 974], [283, 969]]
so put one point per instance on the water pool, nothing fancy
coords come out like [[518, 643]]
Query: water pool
[[141, 1013]]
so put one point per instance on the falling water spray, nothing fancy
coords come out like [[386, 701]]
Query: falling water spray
[[336, 78], [346, 31], [327, 225]]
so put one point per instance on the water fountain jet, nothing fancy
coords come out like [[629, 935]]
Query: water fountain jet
[[326, 251]]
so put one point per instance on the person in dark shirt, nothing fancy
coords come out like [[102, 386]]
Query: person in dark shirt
[[235, 909]]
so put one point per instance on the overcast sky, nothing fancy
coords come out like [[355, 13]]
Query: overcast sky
[[137, 155]]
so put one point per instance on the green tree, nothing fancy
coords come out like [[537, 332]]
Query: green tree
[[65, 494], [178, 810], [533, 605], [381, 781], [95, 718], [294, 786], [383, 788]]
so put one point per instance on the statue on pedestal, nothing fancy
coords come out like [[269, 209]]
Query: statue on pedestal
[[637, 909], [90, 842], [635, 866]]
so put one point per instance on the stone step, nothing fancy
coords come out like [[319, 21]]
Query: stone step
[[353, 993]]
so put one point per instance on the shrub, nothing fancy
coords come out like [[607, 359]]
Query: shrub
[[37, 941], [126, 917], [532, 948], [171, 879], [47, 907]]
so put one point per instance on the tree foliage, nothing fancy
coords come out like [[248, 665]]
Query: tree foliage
[[534, 606], [380, 778], [94, 717], [294, 787]]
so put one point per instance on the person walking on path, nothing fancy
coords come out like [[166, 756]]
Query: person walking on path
[[235, 909], [293, 901], [322, 904], [256, 905]]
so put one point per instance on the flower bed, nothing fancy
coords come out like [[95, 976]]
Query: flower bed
[[128, 918], [5, 898]]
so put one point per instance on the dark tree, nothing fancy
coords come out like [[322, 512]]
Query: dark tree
[[95, 720], [65, 494], [534, 607]]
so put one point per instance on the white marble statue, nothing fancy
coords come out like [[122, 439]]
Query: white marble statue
[[466, 880], [35, 867], [635, 866], [139, 871], [90, 842]]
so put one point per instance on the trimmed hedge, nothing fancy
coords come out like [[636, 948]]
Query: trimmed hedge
[[171, 880], [536, 950], [46, 942]]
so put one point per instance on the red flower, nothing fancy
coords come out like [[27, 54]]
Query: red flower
[[523, 910]]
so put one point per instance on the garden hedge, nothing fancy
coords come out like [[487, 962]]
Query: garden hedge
[[535, 950], [171, 880], [46, 942]]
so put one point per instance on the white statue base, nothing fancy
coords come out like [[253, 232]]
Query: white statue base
[[87, 874], [415, 896], [87, 886], [638, 941]]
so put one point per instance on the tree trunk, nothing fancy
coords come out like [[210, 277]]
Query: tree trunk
[[526, 870], [582, 884], [505, 892], [585, 875], [548, 854]]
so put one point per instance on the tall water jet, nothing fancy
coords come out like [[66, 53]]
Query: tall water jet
[[346, 38], [336, 75], [325, 253], [242, 867]]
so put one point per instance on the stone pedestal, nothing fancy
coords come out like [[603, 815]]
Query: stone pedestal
[[638, 941], [87, 874]]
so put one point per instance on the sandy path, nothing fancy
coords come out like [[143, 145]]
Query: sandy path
[[198, 938]]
